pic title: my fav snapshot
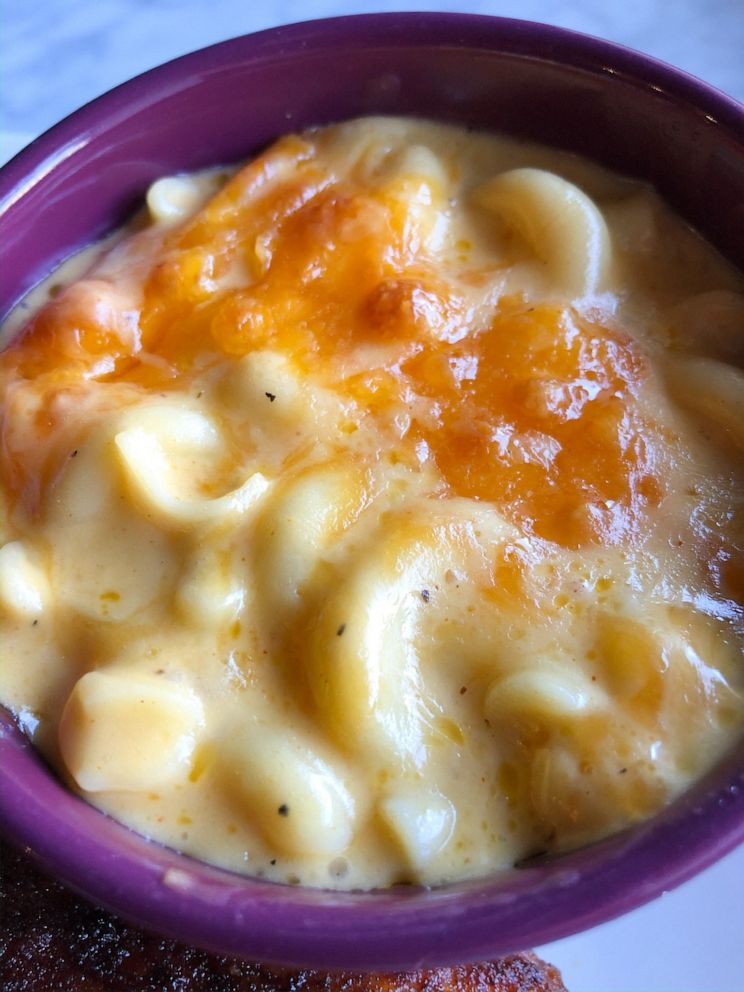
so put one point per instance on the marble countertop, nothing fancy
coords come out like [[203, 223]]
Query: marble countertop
[[58, 54]]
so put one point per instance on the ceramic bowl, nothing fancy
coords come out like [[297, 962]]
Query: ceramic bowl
[[220, 105]]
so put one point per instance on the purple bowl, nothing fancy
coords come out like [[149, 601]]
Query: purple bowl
[[87, 174]]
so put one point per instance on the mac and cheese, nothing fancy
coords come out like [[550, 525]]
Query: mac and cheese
[[374, 513]]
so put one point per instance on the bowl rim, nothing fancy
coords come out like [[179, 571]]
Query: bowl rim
[[29, 165], [162, 890]]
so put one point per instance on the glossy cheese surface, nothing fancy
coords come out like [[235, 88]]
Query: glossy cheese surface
[[375, 513]]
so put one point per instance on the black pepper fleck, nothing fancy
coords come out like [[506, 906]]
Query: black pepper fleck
[[35, 623], [273, 861], [74, 453], [283, 810], [340, 630], [271, 396], [463, 690], [425, 595], [622, 771]]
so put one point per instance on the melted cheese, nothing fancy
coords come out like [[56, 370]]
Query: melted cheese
[[374, 514]]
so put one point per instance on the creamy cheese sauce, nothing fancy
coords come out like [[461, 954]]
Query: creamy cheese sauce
[[375, 513]]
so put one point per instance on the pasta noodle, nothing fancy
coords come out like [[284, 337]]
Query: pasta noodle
[[712, 389], [561, 224]]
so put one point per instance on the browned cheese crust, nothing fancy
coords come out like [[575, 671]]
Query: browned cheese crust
[[51, 941]]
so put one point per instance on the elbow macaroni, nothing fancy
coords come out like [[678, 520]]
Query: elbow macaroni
[[561, 224], [712, 389], [121, 732], [373, 514]]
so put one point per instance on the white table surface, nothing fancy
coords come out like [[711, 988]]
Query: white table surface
[[57, 54]]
